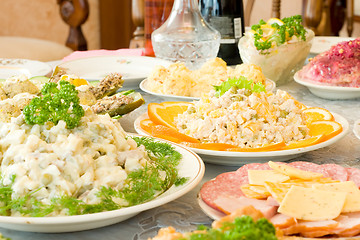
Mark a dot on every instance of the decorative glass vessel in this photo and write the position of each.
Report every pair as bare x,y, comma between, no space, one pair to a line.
186,36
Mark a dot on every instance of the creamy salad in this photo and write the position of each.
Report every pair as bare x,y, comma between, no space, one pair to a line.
243,119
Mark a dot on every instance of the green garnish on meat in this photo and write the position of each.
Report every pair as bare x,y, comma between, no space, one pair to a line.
140,186
239,83
292,27
244,228
55,104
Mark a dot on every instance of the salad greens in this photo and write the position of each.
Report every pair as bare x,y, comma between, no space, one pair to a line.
239,83
54,105
292,26
242,228
141,185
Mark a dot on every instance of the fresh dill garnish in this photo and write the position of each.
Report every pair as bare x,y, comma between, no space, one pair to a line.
243,227
292,26
140,186
239,83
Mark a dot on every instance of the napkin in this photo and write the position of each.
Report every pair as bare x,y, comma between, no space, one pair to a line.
103,52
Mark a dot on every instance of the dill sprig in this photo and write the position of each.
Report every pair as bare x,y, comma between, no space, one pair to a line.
292,27
140,186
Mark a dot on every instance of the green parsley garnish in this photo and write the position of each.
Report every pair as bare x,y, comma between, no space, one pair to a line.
140,186
55,104
292,27
243,228
239,83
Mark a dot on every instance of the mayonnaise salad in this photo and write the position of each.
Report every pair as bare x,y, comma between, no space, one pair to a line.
245,120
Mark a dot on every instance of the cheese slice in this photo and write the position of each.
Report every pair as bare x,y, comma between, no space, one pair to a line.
352,202
294,172
258,177
312,204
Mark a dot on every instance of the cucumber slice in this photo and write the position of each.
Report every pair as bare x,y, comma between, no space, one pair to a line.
39,80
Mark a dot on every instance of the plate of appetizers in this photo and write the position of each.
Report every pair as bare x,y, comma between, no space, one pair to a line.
333,74
133,68
295,197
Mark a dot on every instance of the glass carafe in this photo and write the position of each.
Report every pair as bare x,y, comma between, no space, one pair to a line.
186,36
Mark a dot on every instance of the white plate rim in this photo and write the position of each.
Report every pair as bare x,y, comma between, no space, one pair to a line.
326,42
270,154
325,87
150,61
271,84
177,191
356,128
33,67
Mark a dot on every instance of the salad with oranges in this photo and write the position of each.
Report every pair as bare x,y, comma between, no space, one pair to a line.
240,115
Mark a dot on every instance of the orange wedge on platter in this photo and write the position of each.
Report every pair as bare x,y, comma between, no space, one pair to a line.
304,142
325,127
265,148
313,114
164,113
209,146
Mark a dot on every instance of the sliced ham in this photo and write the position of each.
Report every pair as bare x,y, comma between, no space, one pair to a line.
312,228
282,221
272,202
336,172
231,204
348,226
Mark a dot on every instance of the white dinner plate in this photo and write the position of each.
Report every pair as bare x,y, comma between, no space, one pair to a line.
270,86
12,67
240,158
133,68
356,128
321,44
191,167
329,92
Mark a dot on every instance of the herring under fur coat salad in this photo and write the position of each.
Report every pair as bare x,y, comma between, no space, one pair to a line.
58,158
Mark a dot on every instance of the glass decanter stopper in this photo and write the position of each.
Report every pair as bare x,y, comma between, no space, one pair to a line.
186,36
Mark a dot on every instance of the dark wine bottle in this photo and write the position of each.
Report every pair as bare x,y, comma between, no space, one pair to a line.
226,16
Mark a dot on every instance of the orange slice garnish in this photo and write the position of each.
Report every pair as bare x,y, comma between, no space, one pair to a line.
147,125
325,127
316,114
265,148
304,142
171,134
165,113
209,146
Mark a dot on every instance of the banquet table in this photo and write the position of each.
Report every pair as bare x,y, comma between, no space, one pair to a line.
184,213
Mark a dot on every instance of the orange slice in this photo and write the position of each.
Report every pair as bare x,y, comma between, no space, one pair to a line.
164,113
304,142
265,148
171,134
316,114
325,127
147,125
209,146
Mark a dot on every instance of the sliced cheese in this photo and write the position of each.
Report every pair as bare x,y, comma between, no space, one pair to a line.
312,204
255,191
258,177
293,172
352,202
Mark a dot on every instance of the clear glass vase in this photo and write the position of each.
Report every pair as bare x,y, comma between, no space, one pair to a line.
186,36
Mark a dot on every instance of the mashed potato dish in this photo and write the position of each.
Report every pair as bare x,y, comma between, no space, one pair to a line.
178,80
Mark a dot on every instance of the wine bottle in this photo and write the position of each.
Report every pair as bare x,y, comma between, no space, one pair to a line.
226,16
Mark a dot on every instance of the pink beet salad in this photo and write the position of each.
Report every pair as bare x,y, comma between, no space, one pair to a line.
339,66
